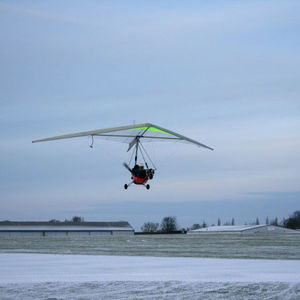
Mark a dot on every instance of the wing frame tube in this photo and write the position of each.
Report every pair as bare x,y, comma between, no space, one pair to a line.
183,137
91,132
101,132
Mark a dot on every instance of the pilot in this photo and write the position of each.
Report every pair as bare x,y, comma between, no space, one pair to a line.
142,172
135,170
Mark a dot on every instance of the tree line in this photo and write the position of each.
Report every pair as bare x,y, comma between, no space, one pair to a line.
169,224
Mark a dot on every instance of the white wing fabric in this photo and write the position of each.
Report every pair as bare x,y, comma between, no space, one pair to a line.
146,132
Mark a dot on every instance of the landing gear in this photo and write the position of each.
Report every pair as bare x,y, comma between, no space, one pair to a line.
127,185
147,186
150,173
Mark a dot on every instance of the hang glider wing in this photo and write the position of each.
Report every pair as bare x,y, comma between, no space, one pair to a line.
146,132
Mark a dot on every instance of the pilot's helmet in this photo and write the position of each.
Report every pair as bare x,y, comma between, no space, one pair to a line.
141,166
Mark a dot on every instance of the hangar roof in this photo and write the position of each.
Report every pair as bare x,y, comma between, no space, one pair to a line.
230,228
63,226
238,228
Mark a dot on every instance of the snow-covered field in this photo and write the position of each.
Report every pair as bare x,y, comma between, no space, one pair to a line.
217,266
32,276
69,268
115,290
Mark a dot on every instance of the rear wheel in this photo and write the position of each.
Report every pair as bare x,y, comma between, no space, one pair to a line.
147,186
125,186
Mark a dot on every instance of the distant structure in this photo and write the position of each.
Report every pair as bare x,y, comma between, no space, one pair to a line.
56,229
244,229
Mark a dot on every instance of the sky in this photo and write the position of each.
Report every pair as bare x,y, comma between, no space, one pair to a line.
225,73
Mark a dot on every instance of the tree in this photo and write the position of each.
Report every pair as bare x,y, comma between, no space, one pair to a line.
257,221
293,221
195,226
274,222
219,222
150,227
77,219
232,222
204,225
267,220
169,224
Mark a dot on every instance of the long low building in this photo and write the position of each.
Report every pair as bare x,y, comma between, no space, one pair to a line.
41,229
244,229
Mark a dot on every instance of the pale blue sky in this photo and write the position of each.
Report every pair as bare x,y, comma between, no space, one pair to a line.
225,73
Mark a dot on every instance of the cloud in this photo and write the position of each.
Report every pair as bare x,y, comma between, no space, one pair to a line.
223,73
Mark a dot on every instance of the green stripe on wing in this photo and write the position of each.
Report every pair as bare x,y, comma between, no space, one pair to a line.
153,129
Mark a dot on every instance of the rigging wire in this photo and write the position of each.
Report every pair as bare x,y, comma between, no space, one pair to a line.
131,157
148,156
142,149
144,159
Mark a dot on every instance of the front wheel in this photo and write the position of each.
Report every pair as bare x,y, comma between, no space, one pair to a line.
147,186
125,186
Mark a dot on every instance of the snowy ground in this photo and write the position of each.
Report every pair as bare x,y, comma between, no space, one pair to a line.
42,276
114,290
209,266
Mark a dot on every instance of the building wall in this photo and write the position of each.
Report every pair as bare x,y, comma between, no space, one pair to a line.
99,233
20,234
122,232
14,234
55,233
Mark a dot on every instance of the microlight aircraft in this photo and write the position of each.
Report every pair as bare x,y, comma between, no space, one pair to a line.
133,135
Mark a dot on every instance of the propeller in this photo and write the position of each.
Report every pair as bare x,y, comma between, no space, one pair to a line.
127,167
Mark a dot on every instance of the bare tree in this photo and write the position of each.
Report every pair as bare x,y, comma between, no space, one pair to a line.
169,224
257,221
232,222
195,226
274,222
77,219
267,220
219,222
204,225
293,221
150,227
